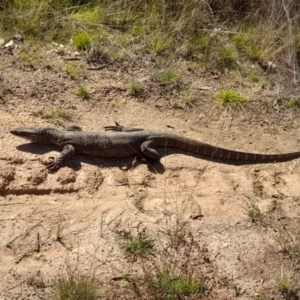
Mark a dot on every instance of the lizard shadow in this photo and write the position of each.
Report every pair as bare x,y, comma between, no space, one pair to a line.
75,162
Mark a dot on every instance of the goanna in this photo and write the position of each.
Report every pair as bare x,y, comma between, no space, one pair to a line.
127,141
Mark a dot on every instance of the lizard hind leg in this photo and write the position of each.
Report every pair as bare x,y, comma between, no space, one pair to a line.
119,127
149,151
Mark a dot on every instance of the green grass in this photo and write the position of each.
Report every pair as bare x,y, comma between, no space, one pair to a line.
140,246
172,286
82,41
255,52
36,282
136,88
163,28
231,98
256,216
189,99
83,93
30,59
168,77
71,71
163,284
55,114
288,288
75,286
241,40
91,15
262,82
290,104
228,55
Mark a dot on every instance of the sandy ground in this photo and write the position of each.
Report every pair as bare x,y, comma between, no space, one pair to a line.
75,215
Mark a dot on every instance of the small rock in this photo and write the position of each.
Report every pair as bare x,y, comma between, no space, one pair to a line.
9,44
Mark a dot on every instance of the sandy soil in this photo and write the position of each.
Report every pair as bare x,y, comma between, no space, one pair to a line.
75,215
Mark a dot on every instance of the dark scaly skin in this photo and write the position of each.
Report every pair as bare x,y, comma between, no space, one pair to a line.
128,141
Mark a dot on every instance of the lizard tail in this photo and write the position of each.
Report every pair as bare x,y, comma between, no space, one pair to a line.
211,151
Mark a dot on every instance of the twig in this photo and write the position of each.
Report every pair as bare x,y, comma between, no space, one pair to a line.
38,242
97,68
71,58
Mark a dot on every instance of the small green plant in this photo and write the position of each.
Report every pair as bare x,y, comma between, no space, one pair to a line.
255,52
201,43
83,93
55,114
75,286
172,286
89,15
71,71
288,288
189,99
168,77
228,97
138,30
228,54
30,59
290,104
139,246
255,215
36,281
82,41
136,88
258,79
241,40
159,42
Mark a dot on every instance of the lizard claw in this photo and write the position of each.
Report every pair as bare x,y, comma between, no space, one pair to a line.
118,127
53,164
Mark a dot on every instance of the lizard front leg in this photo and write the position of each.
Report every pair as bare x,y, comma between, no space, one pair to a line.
67,152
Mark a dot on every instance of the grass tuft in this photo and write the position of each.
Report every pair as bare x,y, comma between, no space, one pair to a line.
92,16
75,286
71,71
288,288
290,104
228,55
140,246
83,93
82,41
256,216
228,97
189,99
136,88
168,77
171,286
55,114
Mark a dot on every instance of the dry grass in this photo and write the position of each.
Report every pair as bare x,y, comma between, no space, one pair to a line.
191,29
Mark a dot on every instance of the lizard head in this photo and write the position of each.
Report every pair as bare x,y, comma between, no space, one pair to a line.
34,135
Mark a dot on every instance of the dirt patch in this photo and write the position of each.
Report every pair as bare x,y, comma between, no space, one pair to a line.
76,214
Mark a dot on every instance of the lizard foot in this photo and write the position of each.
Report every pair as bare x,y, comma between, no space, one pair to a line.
53,164
119,127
